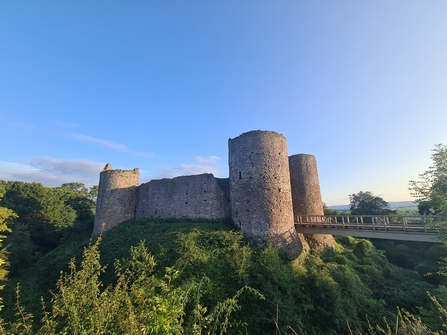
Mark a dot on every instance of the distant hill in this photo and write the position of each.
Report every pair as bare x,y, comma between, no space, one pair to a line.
395,204
398,204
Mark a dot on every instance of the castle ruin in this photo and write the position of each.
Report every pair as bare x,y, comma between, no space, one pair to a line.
265,191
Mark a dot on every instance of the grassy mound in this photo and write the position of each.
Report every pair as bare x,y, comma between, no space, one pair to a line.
314,294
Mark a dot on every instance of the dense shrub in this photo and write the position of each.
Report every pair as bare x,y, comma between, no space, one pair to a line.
182,267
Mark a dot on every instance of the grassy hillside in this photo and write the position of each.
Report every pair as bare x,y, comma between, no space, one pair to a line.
314,294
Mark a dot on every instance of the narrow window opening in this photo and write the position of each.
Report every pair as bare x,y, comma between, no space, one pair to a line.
240,175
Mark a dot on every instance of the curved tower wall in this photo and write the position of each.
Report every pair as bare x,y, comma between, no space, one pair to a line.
306,192
117,198
260,189
306,195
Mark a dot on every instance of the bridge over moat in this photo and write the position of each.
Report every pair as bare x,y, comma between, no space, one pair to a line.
407,228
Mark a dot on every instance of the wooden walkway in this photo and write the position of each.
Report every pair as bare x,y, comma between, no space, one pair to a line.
408,228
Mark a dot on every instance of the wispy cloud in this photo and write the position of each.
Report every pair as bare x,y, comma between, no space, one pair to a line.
51,171
165,171
64,124
208,159
185,170
109,144
98,141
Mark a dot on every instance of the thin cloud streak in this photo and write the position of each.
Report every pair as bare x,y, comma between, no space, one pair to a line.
184,170
109,144
51,171
98,141
165,171
208,159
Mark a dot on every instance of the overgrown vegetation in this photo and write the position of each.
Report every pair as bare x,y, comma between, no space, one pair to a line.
430,190
213,272
172,277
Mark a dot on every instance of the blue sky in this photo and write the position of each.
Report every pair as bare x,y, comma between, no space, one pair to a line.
162,85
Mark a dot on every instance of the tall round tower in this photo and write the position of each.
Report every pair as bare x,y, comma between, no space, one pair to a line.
306,195
117,194
261,198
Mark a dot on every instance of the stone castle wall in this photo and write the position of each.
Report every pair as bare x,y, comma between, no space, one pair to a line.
193,197
259,182
260,190
117,198
264,192
306,196
305,185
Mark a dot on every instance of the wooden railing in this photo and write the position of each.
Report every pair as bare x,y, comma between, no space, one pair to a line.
422,223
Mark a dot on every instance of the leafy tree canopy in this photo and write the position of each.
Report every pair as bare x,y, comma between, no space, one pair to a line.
37,205
42,213
366,203
330,211
430,190
80,198
5,215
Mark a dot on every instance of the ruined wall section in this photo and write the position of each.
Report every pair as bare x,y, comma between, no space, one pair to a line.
260,190
192,197
306,196
117,194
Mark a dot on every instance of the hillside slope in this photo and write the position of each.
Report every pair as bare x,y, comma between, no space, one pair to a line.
314,294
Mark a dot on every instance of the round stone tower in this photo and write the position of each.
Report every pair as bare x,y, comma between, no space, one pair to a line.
260,190
306,196
117,194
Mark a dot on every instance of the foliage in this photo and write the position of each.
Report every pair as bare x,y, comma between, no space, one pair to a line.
5,215
206,264
366,203
430,190
138,303
79,198
423,257
41,210
37,205
46,216
330,211
406,323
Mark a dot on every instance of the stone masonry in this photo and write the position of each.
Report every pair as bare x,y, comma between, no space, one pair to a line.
260,190
265,190
306,196
117,198
191,197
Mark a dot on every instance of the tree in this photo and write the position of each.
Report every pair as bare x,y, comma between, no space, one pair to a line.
5,215
330,211
78,197
430,190
38,205
93,193
366,203
41,212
